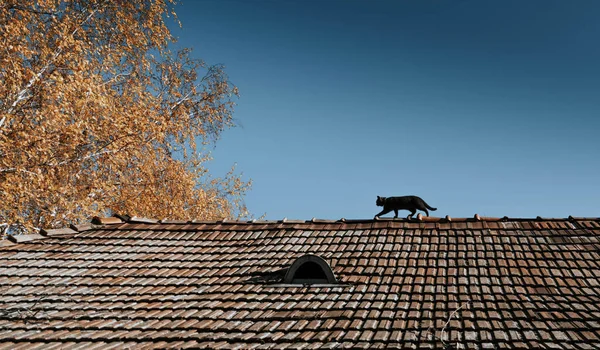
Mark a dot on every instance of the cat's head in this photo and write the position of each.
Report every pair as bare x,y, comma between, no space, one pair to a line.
380,201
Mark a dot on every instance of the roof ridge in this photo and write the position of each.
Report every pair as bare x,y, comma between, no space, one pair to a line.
314,220
101,222
49,233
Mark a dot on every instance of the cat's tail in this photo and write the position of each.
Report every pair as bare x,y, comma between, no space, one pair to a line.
429,207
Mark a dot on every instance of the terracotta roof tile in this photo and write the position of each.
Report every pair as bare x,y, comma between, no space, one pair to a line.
479,282
25,238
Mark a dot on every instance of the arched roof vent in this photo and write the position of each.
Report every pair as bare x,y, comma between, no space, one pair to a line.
310,269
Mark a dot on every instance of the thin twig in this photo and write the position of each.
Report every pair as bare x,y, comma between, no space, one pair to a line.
448,322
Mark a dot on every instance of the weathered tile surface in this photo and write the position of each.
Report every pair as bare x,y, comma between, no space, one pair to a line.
473,283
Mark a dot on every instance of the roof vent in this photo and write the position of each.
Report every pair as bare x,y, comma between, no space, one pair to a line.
310,269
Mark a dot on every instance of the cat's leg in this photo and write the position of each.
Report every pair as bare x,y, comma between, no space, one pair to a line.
426,212
396,213
412,212
383,212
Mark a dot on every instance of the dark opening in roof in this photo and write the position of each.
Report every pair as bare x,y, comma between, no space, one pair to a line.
310,269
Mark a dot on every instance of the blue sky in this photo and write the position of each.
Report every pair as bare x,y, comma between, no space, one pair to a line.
488,107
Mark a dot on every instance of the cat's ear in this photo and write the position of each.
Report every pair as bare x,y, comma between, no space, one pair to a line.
378,197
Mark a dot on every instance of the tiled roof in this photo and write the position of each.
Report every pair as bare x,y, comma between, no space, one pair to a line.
429,283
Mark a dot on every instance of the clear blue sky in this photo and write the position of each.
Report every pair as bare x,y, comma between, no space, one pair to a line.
489,107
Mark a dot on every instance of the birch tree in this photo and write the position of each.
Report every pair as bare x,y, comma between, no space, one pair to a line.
98,115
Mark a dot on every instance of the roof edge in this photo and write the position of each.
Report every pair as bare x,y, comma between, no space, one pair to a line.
314,220
101,222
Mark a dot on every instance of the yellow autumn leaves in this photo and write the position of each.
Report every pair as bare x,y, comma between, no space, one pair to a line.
98,116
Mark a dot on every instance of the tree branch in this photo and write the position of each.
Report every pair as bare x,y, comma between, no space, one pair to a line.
27,9
14,170
106,151
24,93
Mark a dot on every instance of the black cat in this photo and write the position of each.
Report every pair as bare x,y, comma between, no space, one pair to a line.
411,203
